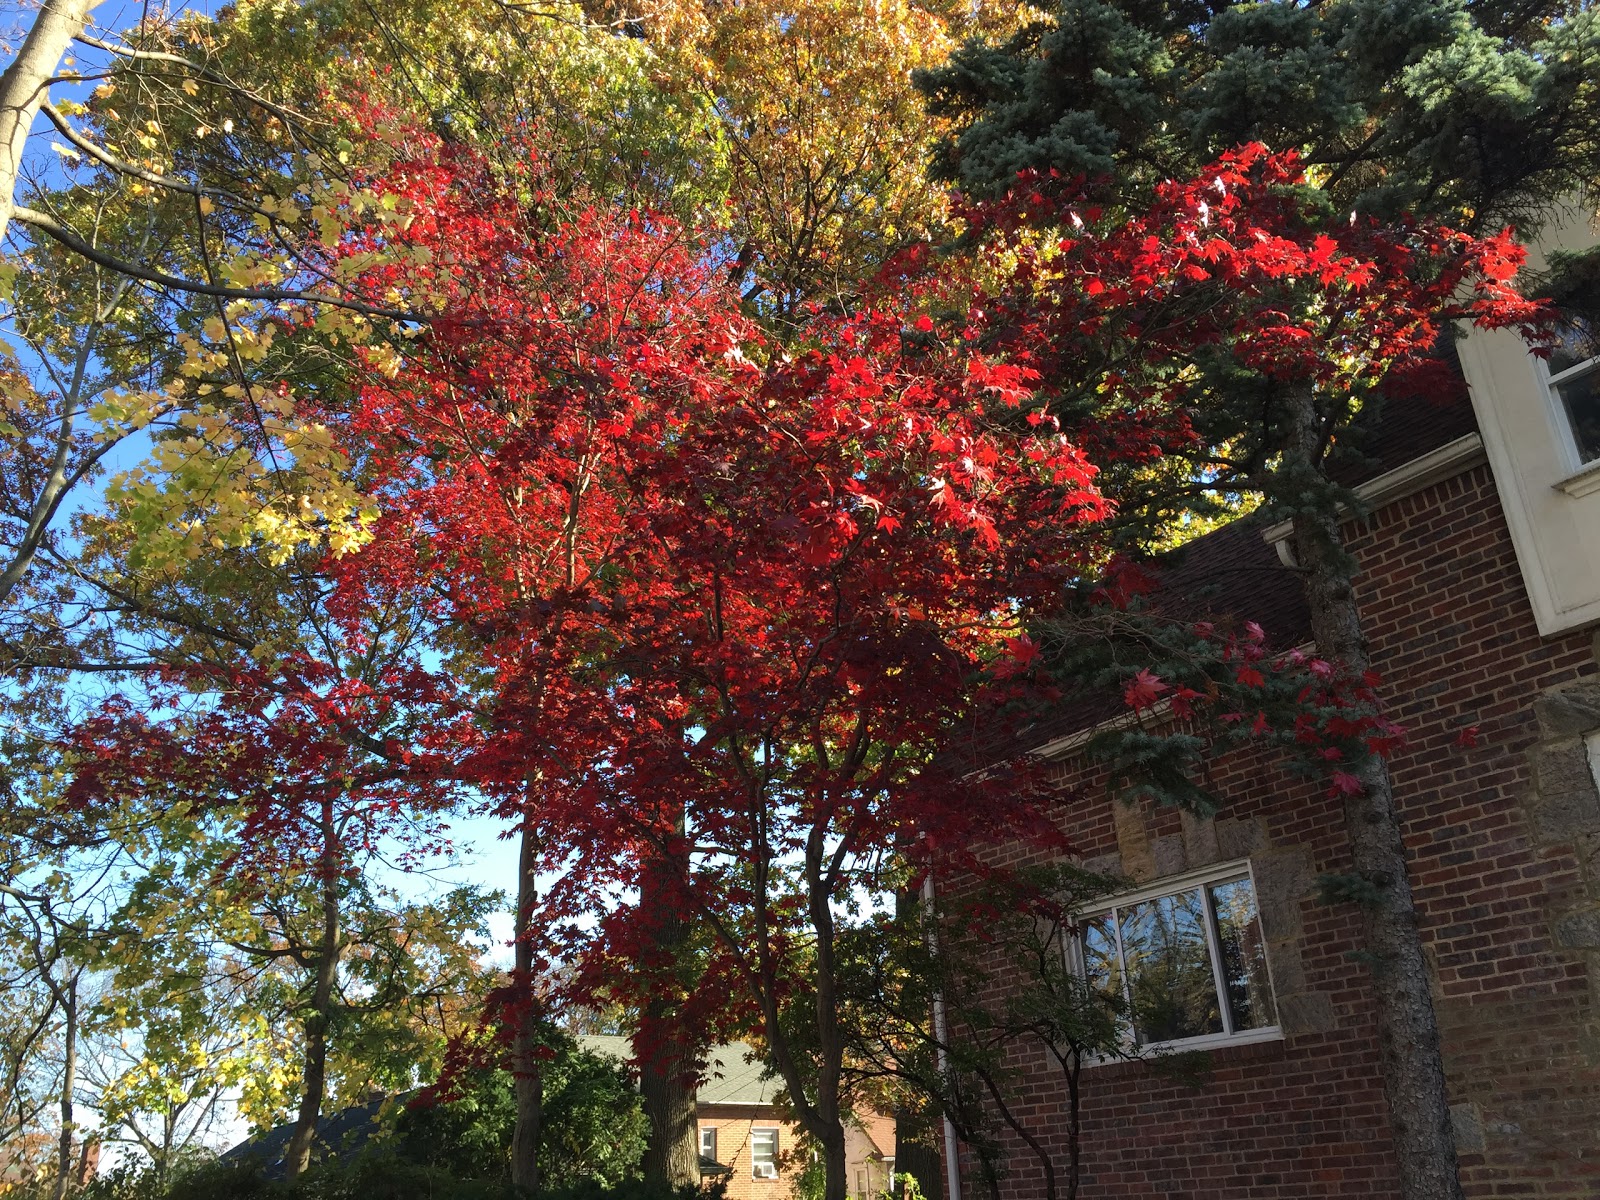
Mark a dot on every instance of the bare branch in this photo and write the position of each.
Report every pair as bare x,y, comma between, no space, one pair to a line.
66,237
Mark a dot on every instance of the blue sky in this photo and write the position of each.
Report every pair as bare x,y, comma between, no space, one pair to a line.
486,859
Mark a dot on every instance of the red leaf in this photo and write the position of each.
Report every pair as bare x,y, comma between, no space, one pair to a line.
1143,690
1346,784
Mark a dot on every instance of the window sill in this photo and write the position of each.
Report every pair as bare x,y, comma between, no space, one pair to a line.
1212,1041
1585,481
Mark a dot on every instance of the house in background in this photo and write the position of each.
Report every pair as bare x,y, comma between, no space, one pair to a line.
1478,576
747,1138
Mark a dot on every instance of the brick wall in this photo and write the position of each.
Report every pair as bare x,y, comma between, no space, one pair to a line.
733,1124
1505,845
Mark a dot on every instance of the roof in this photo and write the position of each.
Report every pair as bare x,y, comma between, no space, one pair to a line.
1233,574
734,1075
1401,429
344,1134
734,1072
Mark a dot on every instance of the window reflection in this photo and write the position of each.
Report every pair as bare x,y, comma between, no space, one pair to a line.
1186,965
1575,372
1171,985
1102,966
1244,955
1581,396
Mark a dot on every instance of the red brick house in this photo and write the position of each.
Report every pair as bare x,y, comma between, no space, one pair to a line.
747,1130
749,1142
1479,582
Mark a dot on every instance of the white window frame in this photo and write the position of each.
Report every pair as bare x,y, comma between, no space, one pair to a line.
708,1134
1567,433
1203,878
755,1167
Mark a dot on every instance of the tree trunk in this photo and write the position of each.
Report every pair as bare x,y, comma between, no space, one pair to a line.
666,1074
916,1151
25,82
830,1039
835,1177
69,1084
1072,1069
526,1068
315,1060
821,1117
666,1049
1408,1031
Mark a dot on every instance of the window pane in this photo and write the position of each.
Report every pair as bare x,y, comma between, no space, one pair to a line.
1244,955
764,1151
1101,969
1578,344
708,1141
1168,961
1581,396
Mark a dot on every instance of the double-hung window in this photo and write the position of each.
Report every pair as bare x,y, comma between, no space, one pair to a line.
764,1153
1183,962
1574,372
708,1142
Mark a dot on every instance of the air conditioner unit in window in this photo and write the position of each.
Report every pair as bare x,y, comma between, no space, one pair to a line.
766,1171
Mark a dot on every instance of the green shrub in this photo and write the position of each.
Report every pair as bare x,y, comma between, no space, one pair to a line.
594,1126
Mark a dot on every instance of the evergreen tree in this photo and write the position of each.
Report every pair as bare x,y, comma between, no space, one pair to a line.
1448,108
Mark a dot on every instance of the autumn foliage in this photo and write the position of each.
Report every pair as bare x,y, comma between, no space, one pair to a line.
726,614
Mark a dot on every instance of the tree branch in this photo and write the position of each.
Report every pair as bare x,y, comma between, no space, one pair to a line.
66,237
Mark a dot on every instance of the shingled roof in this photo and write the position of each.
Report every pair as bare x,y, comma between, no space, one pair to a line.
1233,574
734,1075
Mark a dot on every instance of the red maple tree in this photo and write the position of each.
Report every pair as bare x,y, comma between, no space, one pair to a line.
729,601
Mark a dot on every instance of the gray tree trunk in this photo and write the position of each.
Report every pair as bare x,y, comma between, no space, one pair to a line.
1408,1030
69,1085
829,1130
666,1074
25,82
668,1051
527,1071
314,1074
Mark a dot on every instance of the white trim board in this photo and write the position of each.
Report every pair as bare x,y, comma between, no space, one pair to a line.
1445,462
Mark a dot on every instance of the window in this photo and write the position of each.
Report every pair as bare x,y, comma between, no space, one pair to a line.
764,1153
708,1142
1185,961
1574,370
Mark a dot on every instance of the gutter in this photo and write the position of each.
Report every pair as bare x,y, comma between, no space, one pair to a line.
1445,462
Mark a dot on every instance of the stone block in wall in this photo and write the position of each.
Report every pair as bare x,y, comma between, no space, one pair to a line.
1564,802
1169,855
1200,839
1305,1012
1572,711
1103,864
1133,840
1467,1122
1580,929
1287,968
1240,838
1283,880
1587,846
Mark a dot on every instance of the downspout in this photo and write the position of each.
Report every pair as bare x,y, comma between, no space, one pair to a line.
941,1030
